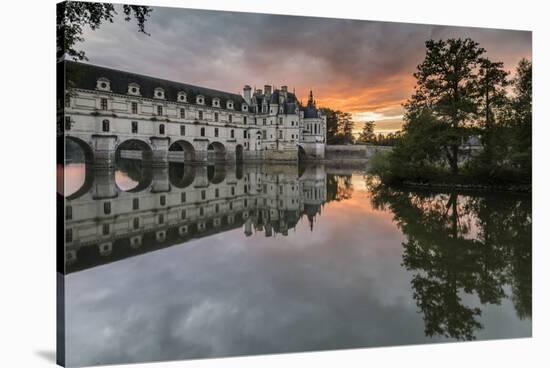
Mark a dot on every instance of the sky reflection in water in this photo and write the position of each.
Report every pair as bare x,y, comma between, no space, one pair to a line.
347,279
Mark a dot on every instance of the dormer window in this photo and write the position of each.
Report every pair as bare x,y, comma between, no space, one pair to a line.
159,93
230,104
182,96
244,107
103,84
133,89
216,102
200,99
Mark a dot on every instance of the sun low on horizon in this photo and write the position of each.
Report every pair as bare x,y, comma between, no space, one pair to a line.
361,67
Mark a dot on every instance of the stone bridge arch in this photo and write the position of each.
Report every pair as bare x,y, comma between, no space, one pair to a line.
134,148
216,152
182,146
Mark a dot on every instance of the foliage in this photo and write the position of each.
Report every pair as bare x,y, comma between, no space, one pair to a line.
72,17
367,134
462,97
339,126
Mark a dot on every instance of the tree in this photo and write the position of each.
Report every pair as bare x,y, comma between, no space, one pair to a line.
72,17
345,123
446,85
367,134
492,94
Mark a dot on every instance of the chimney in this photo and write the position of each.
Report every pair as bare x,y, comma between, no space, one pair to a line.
247,93
267,89
284,89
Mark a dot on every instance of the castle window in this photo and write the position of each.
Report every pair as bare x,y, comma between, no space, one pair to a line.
105,125
200,99
68,213
162,200
217,208
134,126
216,192
244,120
203,194
183,214
281,121
135,204
133,89
182,97
67,100
216,102
69,235
201,211
216,117
103,84
229,104
104,104
182,129
159,93
203,132
244,134
161,129
107,208
264,134
134,108
280,134
215,132
161,219
105,229
232,191
232,133
159,110
67,123
264,121
200,115
230,118
183,197
136,223
182,113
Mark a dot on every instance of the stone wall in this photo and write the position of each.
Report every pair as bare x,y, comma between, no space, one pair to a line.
352,152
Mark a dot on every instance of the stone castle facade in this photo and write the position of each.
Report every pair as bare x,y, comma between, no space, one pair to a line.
109,112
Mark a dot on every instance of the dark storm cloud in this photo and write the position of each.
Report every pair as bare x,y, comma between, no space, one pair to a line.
358,66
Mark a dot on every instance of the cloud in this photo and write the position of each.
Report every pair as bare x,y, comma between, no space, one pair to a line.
352,65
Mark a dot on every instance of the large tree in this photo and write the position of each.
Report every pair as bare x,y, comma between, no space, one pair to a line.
72,17
446,83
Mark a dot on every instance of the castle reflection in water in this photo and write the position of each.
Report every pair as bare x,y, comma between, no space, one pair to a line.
118,213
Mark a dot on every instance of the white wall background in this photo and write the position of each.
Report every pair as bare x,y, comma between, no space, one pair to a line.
27,310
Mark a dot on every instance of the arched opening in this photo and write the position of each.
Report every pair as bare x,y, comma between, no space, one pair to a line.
75,169
181,151
239,153
181,175
216,152
302,156
216,173
133,165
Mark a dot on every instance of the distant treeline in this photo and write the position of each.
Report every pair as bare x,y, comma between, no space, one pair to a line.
460,93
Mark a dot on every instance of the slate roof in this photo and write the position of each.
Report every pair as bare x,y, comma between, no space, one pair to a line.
85,76
290,103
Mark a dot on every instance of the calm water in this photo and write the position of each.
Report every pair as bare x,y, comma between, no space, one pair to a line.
232,260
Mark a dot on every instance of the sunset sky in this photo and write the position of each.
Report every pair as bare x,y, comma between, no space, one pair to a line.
361,67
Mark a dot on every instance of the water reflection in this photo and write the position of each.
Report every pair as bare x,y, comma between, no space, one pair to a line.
223,260
458,245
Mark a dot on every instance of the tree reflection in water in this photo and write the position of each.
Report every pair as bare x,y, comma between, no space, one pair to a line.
458,245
